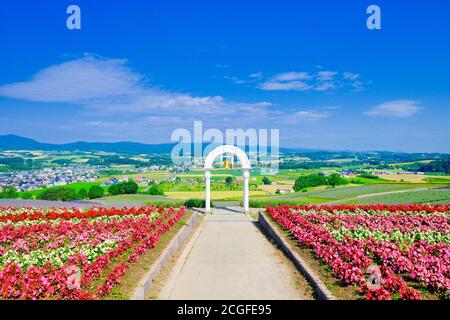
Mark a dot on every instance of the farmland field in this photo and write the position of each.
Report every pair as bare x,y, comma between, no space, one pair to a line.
75,254
132,199
156,175
339,193
215,195
428,196
413,178
404,250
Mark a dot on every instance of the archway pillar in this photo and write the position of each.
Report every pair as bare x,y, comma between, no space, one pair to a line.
246,176
208,191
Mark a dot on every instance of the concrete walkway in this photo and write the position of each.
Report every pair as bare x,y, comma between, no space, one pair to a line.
230,258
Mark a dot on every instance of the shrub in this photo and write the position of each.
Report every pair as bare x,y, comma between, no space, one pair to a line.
27,195
336,180
155,190
195,203
9,193
95,192
129,187
82,194
59,194
266,181
312,180
229,180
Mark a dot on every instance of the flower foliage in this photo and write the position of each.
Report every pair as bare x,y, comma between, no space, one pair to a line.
409,244
61,253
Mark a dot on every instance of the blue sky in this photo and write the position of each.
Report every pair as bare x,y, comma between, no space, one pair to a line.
140,69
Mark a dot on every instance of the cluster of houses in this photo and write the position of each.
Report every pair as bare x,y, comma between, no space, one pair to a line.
36,179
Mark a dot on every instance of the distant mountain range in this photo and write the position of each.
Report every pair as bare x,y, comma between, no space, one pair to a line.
14,142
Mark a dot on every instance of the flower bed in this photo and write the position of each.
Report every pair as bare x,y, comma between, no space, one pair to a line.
74,253
387,252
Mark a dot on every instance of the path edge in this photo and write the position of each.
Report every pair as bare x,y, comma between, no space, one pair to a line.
182,235
319,287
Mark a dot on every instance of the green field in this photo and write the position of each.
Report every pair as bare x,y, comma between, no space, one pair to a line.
351,192
215,195
428,196
77,186
331,194
134,199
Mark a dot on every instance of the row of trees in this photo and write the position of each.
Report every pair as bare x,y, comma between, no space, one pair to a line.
69,194
94,192
318,179
437,166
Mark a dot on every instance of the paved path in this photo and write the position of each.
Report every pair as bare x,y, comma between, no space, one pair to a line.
230,259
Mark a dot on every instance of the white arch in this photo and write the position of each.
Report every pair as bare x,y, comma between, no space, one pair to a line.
239,153
245,164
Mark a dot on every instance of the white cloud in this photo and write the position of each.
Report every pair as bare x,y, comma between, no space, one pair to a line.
77,81
256,75
304,116
236,80
311,115
350,76
303,81
121,102
291,76
326,75
325,86
109,86
395,108
285,86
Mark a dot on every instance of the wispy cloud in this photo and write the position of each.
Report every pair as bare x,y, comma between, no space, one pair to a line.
117,100
296,116
350,76
109,85
76,81
285,86
291,76
395,109
322,81
326,75
256,75
236,80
